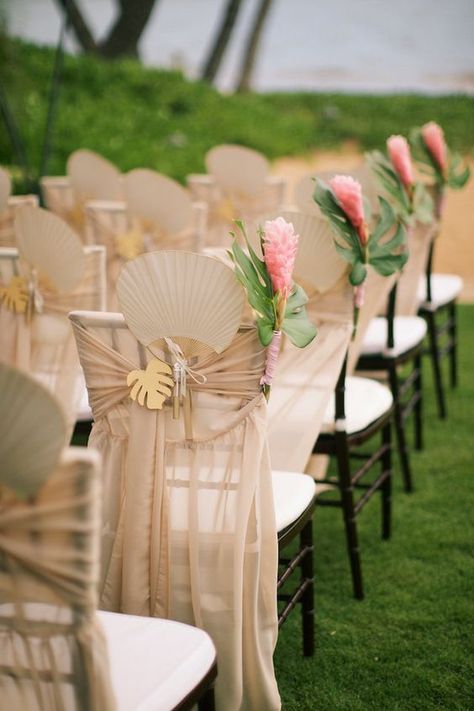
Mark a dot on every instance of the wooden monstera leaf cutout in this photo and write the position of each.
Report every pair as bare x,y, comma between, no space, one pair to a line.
15,295
152,386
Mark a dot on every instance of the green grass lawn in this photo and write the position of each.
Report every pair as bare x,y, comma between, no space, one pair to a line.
409,646
138,116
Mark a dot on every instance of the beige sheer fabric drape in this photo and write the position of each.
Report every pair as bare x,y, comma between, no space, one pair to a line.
419,242
377,290
226,205
7,217
306,378
45,347
52,651
59,197
124,236
189,530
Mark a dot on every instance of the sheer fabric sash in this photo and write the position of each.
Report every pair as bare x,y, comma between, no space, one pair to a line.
189,521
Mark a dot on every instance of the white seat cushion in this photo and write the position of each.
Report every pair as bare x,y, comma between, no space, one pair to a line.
365,401
154,663
292,494
409,331
84,413
444,288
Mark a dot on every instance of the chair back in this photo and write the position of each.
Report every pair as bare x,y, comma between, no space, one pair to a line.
154,198
52,652
179,418
237,168
93,177
8,206
49,275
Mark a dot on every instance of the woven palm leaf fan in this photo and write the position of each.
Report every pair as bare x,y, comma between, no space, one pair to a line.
318,265
5,189
237,168
156,198
193,299
32,432
47,244
363,175
94,177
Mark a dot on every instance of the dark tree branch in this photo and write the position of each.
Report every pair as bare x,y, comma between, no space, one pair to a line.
214,58
251,47
77,22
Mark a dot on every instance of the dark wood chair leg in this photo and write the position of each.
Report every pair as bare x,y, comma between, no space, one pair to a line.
307,601
418,410
453,354
386,489
400,429
349,515
207,702
436,364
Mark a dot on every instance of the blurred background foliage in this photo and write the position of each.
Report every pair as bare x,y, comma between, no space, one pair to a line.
138,116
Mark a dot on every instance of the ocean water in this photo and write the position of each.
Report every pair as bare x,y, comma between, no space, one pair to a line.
342,45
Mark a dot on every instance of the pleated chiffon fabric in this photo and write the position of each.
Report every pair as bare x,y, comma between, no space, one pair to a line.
44,346
306,378
53,653
419,239
7,217
189,528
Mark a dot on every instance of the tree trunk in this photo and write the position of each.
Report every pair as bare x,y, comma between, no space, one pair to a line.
251,47
128,28
215,56
122,39
81,30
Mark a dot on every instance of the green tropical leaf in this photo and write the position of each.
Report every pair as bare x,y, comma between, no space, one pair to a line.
389,264
265,329
299,328
296,299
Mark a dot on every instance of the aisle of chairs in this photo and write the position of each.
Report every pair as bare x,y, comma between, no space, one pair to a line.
154,568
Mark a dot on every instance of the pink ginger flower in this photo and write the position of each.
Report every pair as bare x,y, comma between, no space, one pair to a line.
399,152
433,137
348,193
280,244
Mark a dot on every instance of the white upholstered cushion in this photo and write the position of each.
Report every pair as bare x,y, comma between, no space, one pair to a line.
84,413
444,288
365,401
292,494
409,331
154,663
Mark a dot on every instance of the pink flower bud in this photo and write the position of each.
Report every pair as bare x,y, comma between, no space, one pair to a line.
433,137
280,244
348,193
399,152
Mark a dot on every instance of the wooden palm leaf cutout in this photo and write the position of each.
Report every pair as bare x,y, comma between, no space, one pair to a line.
129,244
15,295
152,385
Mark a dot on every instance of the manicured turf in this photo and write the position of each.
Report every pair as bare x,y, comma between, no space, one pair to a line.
409,646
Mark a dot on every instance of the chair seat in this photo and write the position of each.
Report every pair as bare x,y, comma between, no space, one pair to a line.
366,401
444,289
292,494
84,412
409,331
154,663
